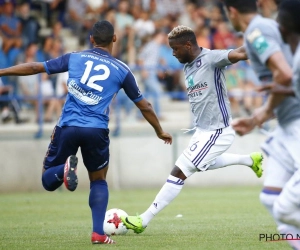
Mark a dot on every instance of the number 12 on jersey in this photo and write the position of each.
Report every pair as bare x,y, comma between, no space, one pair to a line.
90,81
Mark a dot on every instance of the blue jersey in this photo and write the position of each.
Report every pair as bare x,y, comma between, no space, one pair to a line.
95,77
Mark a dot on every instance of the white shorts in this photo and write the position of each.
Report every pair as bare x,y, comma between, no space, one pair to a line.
288,201
275,174
204,147
283,145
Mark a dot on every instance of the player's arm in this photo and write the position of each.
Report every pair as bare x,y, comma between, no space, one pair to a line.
282,74
147,111
281,71
23,69
132,91
237,54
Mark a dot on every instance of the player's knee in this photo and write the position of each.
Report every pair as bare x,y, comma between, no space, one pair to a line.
176,172
48,188
46,185
185,166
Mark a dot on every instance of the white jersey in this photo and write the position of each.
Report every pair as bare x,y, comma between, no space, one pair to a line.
296,72
206,89
262,40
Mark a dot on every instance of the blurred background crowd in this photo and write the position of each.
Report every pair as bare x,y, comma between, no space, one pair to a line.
39,30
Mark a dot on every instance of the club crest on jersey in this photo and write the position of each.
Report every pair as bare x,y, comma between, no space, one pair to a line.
190,81
198,63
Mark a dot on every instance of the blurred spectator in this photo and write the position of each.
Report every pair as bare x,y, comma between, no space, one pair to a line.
170,7
113,4
56,30
57,48
123,18
30,25
97,7
43,54
268,8
76,18
50,10
235,87
52,104
223,38
154,15
189,16
127,47
149,60
57,10
33,85
10,27
170,72
61,88
9,105
123,22
121,102
203,38
144,26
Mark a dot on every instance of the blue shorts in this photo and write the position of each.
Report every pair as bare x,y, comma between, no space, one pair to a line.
65,141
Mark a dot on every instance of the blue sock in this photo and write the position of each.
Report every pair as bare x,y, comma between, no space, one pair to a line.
98,203
53,177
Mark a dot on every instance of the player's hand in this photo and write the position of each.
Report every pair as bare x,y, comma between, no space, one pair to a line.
243,126
261,115
165,137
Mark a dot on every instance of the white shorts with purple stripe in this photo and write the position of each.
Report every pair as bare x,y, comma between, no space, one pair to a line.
204,147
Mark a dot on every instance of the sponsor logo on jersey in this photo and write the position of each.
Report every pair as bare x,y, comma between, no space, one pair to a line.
260,44
190,81
258,41
87,97
196,90
253,35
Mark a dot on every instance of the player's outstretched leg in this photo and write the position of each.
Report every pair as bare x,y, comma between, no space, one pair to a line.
257,159
70,175
101,239
134,223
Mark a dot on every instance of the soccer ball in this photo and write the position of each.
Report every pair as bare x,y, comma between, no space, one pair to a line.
112,223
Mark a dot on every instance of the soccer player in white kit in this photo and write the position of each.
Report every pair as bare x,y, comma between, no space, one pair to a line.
205,84
286,207
271,59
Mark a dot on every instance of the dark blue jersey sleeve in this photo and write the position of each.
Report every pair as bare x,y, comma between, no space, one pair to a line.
131,88
57,65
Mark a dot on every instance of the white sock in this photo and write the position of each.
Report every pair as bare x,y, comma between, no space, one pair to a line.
225,160
167,193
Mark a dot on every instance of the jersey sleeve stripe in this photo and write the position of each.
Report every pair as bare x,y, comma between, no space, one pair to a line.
217,75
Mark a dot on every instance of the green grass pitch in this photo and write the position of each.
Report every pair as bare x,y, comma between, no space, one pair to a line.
220,218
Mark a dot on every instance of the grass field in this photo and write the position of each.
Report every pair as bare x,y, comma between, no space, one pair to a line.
213,218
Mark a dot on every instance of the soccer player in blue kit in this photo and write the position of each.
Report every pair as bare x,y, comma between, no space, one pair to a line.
95,77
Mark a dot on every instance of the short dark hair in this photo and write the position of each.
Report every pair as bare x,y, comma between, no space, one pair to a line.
243,6
289,15
103,32
183,34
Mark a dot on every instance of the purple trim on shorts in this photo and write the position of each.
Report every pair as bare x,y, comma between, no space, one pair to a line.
203,152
